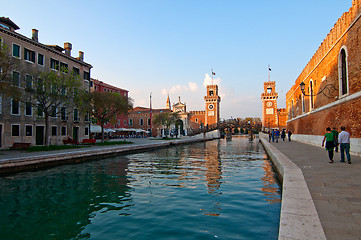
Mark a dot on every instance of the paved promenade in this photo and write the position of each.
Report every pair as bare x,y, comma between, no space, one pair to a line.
335,188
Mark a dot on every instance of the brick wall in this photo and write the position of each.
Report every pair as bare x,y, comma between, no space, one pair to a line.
311,116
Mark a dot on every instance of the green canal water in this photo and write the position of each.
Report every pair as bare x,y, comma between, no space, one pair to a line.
214,190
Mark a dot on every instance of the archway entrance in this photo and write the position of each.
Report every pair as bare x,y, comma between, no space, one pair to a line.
179,126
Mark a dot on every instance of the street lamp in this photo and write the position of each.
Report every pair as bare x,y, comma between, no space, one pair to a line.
327,90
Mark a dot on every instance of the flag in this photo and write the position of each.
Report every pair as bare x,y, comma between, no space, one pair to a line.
213,73
269,69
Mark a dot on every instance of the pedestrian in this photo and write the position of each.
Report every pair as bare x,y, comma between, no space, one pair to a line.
269,136
277,135
330,143
273,135
335,133
283,134
344,141
289,135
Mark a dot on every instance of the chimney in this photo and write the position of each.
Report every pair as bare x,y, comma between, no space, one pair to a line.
67,47
35,35
81,56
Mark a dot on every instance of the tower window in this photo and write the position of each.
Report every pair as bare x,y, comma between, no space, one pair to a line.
210,92
269,90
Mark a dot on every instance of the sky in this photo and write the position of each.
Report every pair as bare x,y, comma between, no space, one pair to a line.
162,47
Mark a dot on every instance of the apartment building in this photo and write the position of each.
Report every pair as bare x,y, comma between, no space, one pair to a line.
100,86
21,122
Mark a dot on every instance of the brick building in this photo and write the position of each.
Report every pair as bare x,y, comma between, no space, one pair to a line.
100,86
332,85
139,118
19,121
272,117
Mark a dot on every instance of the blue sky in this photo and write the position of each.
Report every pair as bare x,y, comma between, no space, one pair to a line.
169,47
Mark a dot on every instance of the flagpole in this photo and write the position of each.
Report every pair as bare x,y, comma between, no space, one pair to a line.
212,76
269,73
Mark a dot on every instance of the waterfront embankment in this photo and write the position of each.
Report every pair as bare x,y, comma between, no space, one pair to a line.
319,200
17,161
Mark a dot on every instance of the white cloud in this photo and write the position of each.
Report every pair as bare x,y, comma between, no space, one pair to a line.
192,86
181,88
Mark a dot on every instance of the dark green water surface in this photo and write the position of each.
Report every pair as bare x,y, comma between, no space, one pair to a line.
214,190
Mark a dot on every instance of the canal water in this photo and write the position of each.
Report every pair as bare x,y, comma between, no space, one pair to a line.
221,189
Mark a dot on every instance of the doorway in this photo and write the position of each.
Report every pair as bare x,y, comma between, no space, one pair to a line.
76,133
39,135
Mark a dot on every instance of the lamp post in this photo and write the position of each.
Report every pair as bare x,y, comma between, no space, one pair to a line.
327,90
150,114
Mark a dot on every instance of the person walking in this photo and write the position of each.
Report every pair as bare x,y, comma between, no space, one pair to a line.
269,136
283,134
289,135
330,143
335,133
344,141
273,135
277,135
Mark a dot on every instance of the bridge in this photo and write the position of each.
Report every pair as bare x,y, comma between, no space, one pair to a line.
227,127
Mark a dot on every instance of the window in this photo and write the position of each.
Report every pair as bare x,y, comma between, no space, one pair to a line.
28,82
343,81
141,122
64,67
15,130
86,75
29,55
211,93
196,120
40,85
15,108
63,114
28,130
76,71
311,95
40,110
53,112
86,131
91,83
28,109
63,131
86,118
16,79
54,130
130,122
54,64
303,103
76,115
148,121
16,51
41,59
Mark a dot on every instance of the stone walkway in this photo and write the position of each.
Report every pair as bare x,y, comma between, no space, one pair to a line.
335,188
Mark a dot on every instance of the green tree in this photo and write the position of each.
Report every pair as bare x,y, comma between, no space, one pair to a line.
166,119
104,106
7,64
52,93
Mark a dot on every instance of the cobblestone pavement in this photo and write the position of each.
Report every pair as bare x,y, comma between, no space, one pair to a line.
335,188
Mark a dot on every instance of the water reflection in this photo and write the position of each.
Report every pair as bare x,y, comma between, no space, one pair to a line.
191,186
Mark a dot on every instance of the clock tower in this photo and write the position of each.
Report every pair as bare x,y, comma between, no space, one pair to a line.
269,106
212,100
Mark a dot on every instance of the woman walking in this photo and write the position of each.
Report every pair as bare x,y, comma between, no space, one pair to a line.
330,143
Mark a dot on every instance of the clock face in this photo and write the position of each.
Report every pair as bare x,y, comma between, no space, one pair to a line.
210,106
269,104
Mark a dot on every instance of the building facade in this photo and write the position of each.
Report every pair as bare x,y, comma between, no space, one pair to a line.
21,122
327,93
272,117
100,86
139,118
